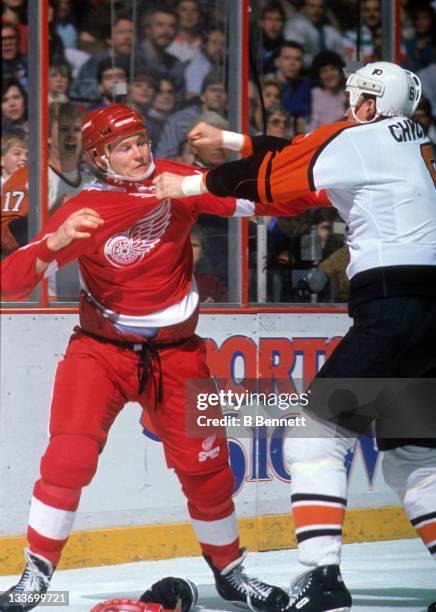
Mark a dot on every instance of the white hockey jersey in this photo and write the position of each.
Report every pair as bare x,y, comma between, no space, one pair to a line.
380,176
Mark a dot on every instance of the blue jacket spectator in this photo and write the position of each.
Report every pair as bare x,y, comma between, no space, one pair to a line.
272,23
296,89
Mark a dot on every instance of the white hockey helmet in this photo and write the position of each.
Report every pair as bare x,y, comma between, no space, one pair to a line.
397,91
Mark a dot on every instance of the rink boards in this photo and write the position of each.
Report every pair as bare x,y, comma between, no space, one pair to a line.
134,508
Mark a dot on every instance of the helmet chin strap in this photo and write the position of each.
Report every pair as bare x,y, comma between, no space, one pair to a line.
131,179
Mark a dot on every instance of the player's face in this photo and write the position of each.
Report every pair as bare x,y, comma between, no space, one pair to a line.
365,110
130,156
14,158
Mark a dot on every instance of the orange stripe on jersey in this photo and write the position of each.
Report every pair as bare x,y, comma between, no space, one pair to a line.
262,177
291,171
247,147
428,532
304,516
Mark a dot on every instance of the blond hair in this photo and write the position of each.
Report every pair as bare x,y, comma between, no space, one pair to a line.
13,138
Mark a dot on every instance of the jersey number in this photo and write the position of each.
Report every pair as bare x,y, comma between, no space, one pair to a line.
429,160
13,201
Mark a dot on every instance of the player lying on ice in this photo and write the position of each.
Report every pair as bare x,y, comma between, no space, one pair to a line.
136,342
379,174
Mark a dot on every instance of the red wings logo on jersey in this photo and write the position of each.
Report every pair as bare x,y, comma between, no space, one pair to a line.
130,247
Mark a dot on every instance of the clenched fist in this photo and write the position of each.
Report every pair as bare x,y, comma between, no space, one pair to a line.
168,185
205,135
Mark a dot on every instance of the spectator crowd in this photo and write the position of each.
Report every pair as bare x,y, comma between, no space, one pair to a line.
169,61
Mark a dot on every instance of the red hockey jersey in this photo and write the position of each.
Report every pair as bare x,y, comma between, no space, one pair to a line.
140,260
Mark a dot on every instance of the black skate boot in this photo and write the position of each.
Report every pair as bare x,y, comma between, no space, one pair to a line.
432,607
320,590
34,581
242,590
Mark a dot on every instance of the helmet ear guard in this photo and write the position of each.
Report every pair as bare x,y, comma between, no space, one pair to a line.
418,89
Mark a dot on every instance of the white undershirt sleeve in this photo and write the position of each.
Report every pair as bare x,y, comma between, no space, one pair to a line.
233,141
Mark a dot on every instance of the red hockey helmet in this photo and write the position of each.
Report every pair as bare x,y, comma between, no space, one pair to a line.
109,124
127,605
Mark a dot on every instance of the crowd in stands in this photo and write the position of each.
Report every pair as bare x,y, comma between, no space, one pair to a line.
169,60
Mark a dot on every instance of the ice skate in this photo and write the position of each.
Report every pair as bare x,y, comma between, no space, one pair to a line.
34,581
234,585
320,590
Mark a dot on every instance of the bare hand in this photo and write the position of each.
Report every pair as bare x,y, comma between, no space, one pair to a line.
205,135
71,228
168,185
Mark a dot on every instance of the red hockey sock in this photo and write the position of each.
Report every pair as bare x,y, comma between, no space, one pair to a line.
51,518
212,513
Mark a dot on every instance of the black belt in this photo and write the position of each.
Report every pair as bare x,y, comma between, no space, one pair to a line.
148,355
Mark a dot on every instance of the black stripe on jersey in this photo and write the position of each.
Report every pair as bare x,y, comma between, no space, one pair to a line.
432,549
264,143
316,533
267,178
297,497
227,179
424,517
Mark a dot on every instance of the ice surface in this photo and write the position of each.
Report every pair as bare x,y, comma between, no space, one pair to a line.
382,576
